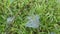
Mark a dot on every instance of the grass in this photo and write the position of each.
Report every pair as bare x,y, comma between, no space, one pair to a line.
48,11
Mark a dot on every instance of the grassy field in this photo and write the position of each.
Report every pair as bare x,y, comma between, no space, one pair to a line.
13,16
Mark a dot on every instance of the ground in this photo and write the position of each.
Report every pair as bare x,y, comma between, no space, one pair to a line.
13,16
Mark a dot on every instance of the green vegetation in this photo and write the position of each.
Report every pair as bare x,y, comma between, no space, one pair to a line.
48,11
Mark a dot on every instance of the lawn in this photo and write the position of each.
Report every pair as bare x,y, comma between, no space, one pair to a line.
29,16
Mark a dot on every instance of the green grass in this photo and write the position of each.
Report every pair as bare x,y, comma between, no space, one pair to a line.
48,11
